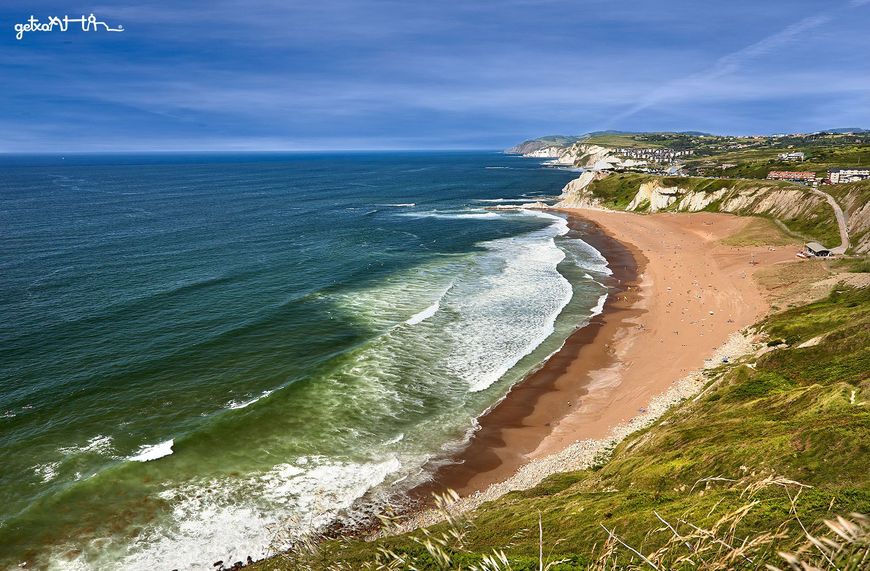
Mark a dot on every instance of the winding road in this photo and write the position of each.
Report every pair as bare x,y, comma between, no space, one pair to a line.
841,222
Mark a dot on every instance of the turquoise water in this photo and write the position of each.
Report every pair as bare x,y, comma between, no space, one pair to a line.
203,355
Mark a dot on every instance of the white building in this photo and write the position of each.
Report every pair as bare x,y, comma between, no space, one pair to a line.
840,176
795,156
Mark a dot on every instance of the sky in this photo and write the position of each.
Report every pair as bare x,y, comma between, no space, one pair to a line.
407,74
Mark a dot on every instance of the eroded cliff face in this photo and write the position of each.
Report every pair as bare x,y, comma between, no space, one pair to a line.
653,196
576,195
857,210
592,157
546,153
743,197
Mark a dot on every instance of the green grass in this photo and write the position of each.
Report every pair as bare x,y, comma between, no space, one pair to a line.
818,224
798,413
858,265
760,232
858,191
852,197
617,190
620,140
757,163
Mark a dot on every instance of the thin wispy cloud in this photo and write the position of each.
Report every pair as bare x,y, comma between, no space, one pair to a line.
725,65
730,64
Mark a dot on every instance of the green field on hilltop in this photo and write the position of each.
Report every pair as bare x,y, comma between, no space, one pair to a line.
757,163
620,140
776,441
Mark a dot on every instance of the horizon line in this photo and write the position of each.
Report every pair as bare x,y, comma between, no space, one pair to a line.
300,151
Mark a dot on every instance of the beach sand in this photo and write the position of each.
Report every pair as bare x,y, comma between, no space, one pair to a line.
679,295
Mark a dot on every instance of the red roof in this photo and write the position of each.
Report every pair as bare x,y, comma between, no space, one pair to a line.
792,174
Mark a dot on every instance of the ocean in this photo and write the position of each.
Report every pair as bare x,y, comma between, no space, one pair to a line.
204,356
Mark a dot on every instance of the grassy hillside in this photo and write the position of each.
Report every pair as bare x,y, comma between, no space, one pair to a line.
617,190
542,142
761,232
854,197
774,444
758,163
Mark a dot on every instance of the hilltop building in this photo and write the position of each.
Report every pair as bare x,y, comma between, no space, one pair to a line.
657,154
840,176
793,176
795,156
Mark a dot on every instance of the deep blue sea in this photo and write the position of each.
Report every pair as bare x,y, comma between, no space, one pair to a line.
203,355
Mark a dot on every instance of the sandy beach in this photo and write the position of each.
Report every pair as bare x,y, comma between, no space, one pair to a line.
679,294
694,293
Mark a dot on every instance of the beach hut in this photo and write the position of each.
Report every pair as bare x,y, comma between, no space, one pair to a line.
816,249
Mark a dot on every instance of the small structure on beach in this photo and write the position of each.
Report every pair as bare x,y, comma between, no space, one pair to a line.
817,250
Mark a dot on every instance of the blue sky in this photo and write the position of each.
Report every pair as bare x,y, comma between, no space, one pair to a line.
345,74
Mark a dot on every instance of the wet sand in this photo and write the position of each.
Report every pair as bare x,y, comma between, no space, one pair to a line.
677,294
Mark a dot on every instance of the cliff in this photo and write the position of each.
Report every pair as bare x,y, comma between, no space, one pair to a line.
575,194
534,145
854,199
578,154
795,206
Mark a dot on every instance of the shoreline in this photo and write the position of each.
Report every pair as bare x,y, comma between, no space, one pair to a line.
514,427
608,379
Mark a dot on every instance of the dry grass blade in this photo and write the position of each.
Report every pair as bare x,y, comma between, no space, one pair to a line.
630,548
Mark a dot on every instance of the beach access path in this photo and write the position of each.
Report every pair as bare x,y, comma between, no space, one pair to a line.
841,222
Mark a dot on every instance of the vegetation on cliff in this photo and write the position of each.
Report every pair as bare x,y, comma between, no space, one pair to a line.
804,214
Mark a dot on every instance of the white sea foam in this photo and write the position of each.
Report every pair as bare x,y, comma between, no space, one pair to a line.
146,452
424,315
395,439
509,313
46,472
99,444
599,307
429,311
400,205
447,215
516,200
585,256
229,520
500,306
237,405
